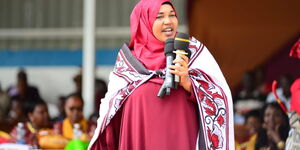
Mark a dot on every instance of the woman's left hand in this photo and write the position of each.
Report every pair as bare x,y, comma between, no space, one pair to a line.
182,71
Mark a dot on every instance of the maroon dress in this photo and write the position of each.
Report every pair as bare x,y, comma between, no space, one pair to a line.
150,122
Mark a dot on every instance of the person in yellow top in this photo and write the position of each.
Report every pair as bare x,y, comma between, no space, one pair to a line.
4,137
74,115
244,140
245,134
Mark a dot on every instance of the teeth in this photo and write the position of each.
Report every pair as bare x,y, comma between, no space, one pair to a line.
168,29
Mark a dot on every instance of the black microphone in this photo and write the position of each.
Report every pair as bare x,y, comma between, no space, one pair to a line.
181,45
169,78
169,48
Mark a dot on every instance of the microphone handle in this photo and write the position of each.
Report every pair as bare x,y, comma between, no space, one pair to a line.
169,80
176,77
164,90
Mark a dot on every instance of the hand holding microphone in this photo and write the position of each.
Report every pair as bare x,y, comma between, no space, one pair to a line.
181,46
178,73
182,71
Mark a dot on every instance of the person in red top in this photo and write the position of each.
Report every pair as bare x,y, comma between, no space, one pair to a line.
294,113
38,124
196,115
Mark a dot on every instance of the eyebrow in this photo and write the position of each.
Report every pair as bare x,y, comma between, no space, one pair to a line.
160,13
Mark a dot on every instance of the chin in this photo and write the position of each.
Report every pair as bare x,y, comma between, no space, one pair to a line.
164,39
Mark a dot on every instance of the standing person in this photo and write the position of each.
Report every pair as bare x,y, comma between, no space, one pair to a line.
197,115
23,89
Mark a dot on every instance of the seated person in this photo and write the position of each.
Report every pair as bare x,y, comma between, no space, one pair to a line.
253,121
74,115
275,128
248,98
245,134
100,91
248,90
38,123
15,114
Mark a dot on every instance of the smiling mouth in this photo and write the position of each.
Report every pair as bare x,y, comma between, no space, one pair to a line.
168,31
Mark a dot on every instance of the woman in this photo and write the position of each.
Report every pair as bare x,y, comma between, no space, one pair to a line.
74,115
275,128
38,124
197,115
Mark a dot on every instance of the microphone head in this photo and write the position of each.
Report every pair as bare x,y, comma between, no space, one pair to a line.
182,41
169,46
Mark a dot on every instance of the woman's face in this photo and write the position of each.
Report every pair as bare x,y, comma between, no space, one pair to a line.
253,124
40,117
73,109
273,117
165,24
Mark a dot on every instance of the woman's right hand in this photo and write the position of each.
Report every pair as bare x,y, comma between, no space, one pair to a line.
182,71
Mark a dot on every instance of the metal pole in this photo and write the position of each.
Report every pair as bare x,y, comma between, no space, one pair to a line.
88,56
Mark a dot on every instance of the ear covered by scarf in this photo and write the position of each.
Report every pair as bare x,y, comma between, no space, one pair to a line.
143,44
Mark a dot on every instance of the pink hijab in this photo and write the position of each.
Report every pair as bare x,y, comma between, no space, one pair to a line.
144,45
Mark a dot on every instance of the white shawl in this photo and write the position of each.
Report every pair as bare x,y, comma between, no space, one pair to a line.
209,85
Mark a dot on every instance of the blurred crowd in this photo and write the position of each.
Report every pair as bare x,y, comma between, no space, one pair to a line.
24,116
260,121
266,115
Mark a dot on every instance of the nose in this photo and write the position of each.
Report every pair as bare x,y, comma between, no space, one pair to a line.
272,119
76,111
167,20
